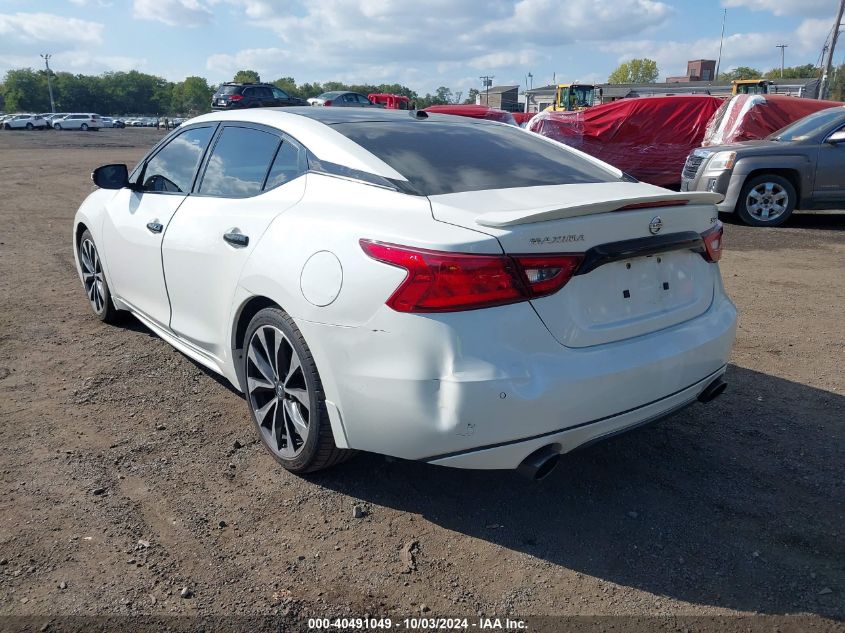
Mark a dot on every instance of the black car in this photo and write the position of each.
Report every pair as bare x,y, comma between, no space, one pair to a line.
236,96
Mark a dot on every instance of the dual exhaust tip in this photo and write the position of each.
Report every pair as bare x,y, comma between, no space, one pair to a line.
539,464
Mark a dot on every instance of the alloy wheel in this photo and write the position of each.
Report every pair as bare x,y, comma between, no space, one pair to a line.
767,201
92,275
278,392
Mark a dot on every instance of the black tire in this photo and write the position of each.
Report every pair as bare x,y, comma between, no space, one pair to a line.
29,126
84,127
318,450
764,195
57,126
102,306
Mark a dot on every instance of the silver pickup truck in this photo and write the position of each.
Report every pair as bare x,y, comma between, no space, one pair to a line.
801,166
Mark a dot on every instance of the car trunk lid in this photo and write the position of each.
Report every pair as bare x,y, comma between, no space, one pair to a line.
643,269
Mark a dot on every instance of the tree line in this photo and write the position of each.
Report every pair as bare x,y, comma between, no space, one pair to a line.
137,93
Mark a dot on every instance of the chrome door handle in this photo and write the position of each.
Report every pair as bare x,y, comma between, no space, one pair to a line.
236,239
155,227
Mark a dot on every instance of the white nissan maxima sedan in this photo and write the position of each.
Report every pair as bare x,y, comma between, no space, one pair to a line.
435,288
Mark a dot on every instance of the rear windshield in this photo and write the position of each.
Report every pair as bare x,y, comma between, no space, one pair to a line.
228,90
442,157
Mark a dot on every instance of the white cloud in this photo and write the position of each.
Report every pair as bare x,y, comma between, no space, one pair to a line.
188,13
554,22
33,28
786,7
269,62
740,49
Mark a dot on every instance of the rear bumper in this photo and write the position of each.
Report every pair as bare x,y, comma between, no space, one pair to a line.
477,390
509,455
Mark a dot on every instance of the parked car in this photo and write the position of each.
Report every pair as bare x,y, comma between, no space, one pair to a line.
390,101
236,96
110,122
342,99
801,166
25,122
52,118
84,122
356,307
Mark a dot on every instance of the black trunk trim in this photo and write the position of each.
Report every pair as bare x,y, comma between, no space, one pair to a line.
639,247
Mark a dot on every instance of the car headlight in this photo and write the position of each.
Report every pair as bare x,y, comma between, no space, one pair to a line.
721,160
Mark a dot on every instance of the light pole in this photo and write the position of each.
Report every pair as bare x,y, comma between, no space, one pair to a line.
46,57
487,81
781,47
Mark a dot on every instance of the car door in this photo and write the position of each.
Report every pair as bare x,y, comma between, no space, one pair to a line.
281,98
830,167
251,175
136,219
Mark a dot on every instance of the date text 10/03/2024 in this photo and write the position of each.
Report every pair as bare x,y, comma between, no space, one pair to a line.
417,624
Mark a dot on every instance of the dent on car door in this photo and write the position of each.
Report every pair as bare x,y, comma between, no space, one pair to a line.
251,175
830,171
137,218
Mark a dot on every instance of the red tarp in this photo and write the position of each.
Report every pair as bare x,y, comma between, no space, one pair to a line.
747,117
474,111
523,117
648,138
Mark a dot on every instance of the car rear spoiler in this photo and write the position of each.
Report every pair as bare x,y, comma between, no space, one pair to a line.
613,201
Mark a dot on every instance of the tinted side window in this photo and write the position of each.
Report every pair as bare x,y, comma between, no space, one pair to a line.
264,92
363,99
287,165
279,94
239,163
172,169
439,157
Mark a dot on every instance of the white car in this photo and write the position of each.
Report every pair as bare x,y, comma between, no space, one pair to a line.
25,122
82,122
429,287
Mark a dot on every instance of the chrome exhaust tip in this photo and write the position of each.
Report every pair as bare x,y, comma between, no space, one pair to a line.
540,463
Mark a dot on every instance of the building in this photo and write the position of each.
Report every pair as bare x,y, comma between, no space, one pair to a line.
538,99
697,70
502,97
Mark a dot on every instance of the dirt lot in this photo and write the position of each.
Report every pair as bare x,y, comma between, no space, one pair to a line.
128,472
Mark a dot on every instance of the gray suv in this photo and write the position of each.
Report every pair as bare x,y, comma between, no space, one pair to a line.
801,166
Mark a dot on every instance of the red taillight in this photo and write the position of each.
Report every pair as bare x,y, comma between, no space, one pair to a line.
235,97
328,102
447,282
649,205
713,243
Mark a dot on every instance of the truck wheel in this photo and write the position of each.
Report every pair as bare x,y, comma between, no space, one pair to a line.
766,200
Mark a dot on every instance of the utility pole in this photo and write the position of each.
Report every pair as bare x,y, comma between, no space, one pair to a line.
721,39
781,47
827,63
487,81
46,57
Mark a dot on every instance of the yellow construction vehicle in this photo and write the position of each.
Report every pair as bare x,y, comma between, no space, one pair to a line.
573,97
750,86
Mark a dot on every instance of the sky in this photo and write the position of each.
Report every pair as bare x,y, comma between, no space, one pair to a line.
421,44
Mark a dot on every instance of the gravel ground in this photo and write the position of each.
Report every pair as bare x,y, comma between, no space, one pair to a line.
130,473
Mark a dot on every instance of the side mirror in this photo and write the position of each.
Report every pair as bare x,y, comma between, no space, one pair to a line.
837,137
111,176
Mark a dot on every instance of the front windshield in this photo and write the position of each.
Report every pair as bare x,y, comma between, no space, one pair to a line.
583,96
809,126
